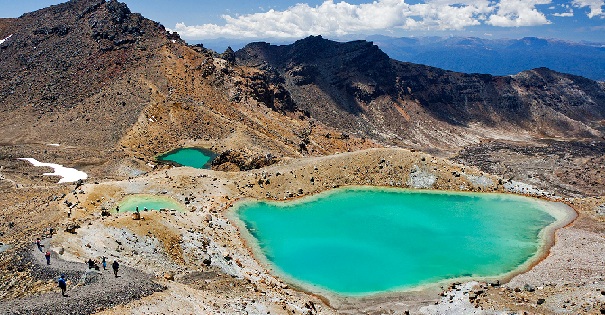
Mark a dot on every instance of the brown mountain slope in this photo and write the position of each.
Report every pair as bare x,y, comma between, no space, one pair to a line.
112,86
67,69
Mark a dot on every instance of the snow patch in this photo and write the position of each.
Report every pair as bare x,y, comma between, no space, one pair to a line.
53,144
67,174
3,40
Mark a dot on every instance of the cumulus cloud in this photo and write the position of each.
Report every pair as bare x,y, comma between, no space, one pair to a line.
341,18
596,6
518,13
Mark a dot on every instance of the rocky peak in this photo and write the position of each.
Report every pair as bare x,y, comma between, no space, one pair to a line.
357,68
229,55
314,50
69,49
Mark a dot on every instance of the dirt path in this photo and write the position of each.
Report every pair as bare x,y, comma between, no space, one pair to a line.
88,291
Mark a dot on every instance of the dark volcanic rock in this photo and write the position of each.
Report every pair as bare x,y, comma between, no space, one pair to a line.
356,87
232,160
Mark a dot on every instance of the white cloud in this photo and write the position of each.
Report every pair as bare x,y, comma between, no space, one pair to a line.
518,13
564,14
342,18
596,6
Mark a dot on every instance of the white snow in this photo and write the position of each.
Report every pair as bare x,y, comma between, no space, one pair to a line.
53,144
67,174
3,40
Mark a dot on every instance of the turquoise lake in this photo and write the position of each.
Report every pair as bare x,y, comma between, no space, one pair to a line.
151,202
358,241
193,157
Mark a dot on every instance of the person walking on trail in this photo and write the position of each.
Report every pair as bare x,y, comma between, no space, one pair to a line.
62,284
39,244
115,267
47,255
104,262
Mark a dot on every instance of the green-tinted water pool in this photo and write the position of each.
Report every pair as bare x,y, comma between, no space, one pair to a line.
151,202
357,241
193,157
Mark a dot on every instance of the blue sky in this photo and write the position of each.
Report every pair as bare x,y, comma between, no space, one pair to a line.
292,19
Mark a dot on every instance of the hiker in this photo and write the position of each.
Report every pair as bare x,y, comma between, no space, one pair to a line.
51,231
104,263
91,263
118,209
115,267
39,244
47,255
62,284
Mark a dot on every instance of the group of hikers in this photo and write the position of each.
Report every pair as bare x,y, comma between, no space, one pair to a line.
62,281
115,265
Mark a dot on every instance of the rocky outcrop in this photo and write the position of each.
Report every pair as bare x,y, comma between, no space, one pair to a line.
241,160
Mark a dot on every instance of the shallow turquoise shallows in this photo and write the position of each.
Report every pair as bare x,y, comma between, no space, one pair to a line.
193,157
358,241
151,202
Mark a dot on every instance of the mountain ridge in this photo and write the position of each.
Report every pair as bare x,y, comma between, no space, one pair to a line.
363,80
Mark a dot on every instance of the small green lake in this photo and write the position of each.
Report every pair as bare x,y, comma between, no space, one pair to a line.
151,202
359,241
193,157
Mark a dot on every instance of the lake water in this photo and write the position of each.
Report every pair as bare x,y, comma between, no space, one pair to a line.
358,241
193,157
151,202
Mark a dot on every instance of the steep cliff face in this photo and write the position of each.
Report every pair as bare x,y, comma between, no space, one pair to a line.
355,86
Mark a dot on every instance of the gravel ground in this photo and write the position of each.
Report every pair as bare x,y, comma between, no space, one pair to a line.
88,291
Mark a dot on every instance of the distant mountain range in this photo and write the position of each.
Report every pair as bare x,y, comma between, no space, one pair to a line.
498,56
